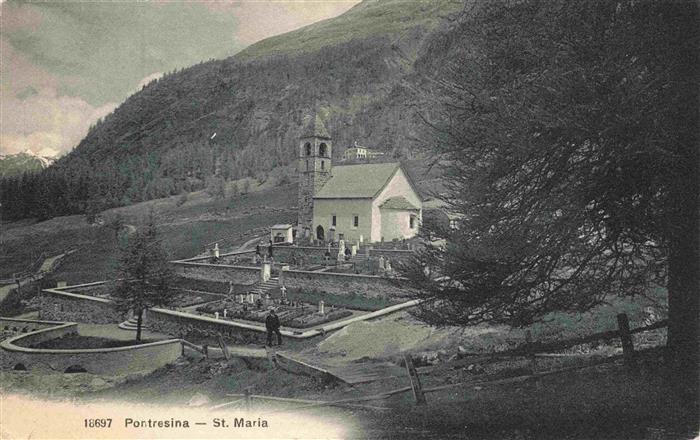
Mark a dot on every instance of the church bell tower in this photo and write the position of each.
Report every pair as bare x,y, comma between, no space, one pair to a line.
314,166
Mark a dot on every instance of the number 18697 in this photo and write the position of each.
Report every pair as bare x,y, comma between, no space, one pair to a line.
98,423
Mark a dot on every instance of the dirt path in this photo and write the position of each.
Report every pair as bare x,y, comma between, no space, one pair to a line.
46,267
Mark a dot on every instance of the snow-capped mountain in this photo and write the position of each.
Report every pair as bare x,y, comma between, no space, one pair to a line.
26,161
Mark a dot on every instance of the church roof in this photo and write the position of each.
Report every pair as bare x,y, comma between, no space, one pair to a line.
398,203
313,127
362,181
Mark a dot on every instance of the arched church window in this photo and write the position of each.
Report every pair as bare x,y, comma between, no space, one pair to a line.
323,150
323,165
307,164
307,147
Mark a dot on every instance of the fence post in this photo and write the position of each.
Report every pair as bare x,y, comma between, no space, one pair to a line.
271,357
247,399
627,345
415,381
224,347
531,356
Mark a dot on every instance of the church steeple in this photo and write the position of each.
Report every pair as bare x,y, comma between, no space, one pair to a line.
314,128
315,153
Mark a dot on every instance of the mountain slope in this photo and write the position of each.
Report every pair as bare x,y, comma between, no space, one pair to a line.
27,161
241,116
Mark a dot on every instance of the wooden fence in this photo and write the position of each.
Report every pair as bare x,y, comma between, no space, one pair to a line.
529,350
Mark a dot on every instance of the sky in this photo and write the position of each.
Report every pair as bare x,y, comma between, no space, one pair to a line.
65,64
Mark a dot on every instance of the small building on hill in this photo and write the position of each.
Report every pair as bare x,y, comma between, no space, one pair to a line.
281,234
365,202
360,153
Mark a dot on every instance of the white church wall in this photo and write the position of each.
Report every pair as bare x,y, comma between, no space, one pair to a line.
344,210
396,224
397,187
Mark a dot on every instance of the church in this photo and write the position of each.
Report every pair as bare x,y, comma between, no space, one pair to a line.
369,202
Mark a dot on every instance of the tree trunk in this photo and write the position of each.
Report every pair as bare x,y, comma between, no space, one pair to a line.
684,300
139,321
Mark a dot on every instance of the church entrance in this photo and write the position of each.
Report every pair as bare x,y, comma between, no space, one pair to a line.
320,233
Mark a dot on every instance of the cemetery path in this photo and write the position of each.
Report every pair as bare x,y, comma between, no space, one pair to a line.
250,242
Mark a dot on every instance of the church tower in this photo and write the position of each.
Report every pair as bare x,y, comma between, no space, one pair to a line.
315,152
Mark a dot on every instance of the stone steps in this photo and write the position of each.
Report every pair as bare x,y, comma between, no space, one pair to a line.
131,324
263,288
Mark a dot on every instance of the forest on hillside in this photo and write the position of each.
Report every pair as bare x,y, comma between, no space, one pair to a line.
231,119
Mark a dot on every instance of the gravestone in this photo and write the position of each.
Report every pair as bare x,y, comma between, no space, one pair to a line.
341,250
216,250
321,307
265,271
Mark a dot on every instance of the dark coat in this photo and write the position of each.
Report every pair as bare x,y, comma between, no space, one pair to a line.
272,322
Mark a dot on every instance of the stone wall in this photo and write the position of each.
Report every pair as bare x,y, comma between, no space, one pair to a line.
222,255
108,362
38,336
217,272
395,255
343,284
58,305
25,325
339,284
189,326
285,253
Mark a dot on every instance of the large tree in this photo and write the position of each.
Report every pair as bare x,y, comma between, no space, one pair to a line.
144,274
568,134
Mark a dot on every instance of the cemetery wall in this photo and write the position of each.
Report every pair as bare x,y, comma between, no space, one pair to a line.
190,326
285,253
25,325
369,286
108,361
340,284
217,272
57,305
392,254
221,255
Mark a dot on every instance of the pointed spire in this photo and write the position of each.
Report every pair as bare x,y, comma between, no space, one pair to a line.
313,127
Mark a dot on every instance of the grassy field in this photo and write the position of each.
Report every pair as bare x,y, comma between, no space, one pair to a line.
361,21
186,230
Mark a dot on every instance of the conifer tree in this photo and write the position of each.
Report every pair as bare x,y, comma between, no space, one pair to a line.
144,274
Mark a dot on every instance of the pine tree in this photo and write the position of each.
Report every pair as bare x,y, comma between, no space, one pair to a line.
570,136
144,274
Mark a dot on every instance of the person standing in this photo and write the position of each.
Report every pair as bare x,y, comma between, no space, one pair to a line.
272,324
